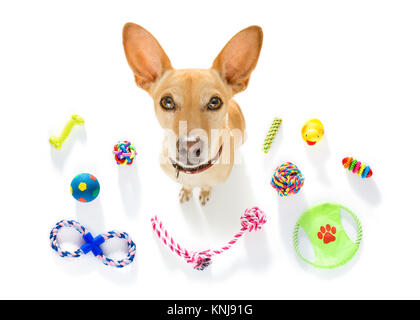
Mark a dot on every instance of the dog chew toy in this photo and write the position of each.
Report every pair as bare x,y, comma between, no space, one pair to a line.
252,220
357,167
125,153
312,131
274,128
84,187
57,142
332,246
92,244
287,179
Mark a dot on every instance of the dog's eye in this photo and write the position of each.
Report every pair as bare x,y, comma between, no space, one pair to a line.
167,103
215,103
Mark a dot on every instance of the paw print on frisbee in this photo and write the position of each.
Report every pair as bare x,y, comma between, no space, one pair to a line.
331,244
327,233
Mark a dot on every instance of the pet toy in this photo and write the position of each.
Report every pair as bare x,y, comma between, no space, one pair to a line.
92,244
287,179
58,141
312,131
84,187
332,246
357,167
125,153
252,219
274,128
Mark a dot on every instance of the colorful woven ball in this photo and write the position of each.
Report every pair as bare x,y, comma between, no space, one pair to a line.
125,153
287,179
84,187
357,167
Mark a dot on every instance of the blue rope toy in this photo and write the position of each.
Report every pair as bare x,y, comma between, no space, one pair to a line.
92,244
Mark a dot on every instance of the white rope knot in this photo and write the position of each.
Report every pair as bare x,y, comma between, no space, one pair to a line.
253,219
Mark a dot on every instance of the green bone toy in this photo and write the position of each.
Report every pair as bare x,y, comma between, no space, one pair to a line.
58,141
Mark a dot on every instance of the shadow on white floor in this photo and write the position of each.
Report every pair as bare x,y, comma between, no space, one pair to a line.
222,215
129,182
366,189
59,157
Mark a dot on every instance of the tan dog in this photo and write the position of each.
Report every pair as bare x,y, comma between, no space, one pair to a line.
195,104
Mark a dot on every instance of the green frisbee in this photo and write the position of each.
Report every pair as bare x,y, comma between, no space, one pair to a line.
332,246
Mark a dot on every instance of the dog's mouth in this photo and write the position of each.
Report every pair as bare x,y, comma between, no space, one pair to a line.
199,168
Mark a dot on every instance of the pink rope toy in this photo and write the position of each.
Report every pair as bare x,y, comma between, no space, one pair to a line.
252,220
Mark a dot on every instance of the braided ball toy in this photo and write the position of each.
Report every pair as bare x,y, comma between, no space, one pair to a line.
274,128
253,219
361,169
287,179
92,244
125,153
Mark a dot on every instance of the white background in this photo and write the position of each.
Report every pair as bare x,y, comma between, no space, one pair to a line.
354,65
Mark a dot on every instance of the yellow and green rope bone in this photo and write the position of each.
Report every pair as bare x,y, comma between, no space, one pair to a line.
274,128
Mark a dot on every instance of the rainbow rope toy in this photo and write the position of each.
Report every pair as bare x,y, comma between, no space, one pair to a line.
92,244
287,179
252,219
357,167
274,128
125,153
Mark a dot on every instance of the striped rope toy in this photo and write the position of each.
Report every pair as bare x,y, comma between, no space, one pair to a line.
92,244
252,219
272,132
287,179
361,169
125,153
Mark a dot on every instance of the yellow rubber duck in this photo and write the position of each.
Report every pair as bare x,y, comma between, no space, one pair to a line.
312,131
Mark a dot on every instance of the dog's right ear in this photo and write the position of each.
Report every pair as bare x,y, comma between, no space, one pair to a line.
144,55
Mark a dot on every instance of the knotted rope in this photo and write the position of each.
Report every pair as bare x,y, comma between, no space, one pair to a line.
287,179
92,244
252,220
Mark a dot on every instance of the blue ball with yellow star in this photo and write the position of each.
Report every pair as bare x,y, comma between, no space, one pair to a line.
84,187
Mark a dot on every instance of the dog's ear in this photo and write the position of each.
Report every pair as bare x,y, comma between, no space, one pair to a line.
239,57
144,55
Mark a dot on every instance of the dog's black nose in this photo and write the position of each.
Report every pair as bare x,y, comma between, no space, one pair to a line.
189,150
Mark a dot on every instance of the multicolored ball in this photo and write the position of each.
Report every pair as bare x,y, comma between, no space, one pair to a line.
125,153
361,169
84,187
287,179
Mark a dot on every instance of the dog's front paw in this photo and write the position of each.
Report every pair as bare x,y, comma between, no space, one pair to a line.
204,196
185,195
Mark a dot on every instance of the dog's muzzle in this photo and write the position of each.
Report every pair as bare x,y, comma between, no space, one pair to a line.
198,168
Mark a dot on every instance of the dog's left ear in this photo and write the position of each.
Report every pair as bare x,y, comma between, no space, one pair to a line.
239,57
